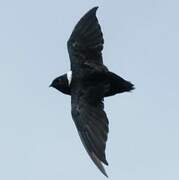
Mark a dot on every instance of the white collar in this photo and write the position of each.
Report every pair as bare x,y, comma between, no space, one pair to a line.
69,77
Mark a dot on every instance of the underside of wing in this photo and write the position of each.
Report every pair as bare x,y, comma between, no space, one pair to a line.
86,40
91,121
92,125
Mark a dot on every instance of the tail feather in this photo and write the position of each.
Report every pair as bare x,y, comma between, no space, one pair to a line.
118,85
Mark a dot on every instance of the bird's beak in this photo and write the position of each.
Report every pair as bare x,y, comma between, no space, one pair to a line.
50,85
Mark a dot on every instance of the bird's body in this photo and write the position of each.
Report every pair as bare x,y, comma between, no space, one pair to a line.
88,82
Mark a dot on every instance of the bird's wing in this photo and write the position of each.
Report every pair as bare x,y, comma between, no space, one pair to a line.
91,121
86,41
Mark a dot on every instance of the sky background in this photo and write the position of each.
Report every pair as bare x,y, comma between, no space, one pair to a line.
38,139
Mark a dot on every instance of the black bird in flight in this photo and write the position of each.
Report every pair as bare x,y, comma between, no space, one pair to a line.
88,82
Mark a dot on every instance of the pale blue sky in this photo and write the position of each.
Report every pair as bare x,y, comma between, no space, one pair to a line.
38,139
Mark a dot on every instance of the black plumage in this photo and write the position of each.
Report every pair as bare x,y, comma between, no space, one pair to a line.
91,81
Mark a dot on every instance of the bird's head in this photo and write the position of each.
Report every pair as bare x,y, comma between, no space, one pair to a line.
62,84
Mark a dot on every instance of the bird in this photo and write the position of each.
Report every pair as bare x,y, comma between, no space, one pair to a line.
88,82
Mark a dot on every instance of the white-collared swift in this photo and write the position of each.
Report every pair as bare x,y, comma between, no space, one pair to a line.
88,82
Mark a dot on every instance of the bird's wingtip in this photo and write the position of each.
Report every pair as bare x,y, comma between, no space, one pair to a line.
105,174
94,9
98,163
